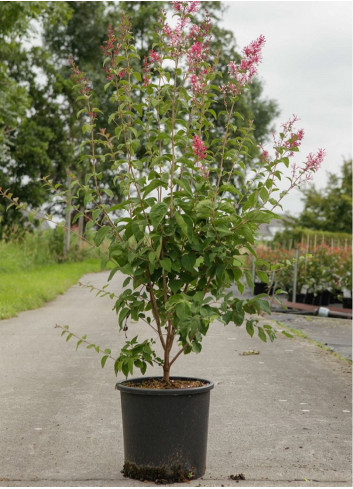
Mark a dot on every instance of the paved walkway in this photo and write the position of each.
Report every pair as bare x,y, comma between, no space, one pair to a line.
281,418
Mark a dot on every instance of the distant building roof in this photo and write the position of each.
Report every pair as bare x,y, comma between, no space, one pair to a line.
267,231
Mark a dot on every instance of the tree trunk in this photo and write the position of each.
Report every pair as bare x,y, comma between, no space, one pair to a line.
166,372
68,215
166,366
80,226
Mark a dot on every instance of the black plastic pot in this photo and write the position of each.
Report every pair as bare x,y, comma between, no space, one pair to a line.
165,431
261,288
299,297
325,298
309,298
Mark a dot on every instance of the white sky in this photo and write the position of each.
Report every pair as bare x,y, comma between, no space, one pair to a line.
307,69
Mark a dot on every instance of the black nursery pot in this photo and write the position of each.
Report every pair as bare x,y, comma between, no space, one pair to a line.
165,431
260,288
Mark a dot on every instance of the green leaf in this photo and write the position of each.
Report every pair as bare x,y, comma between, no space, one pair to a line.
250,328
181,223
262,334
108,192
196,347
157,213
249,279
262,305
126,281
211,111
113,272
123,314
166,264
262,276
185,185
176,285
264,194
137,75
153,185
204,208
188,262
125,368
103,360
101,234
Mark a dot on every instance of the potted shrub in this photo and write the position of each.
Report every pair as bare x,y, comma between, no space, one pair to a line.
186,226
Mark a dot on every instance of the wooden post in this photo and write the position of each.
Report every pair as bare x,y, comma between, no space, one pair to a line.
307,243
294,296
315,238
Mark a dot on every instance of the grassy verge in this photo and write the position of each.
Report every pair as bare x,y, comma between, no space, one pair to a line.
33,271
23,290
300,334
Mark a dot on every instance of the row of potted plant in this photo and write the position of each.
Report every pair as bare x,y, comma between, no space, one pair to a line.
322,277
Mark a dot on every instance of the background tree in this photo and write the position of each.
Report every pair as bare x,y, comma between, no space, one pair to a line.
29,140
330,209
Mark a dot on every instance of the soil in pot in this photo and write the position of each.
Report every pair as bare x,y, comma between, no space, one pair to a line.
154,383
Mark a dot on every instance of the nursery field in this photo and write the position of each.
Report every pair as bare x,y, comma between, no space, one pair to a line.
320,276
32,272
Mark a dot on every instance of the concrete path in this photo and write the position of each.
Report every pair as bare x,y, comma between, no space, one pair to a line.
281,418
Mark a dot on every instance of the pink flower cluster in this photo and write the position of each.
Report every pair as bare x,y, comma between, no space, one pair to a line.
186,7
244,72
80,78
177,38
264,156
304,173
205,173
313,162
289,140
112,47
295,140
199,148
197,54
154,57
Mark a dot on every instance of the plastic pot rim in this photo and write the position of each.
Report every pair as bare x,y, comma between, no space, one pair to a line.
164,392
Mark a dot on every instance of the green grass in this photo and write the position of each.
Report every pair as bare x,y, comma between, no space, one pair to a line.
30,289
31,271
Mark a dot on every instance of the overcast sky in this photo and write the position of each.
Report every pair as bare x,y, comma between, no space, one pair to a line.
307,69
